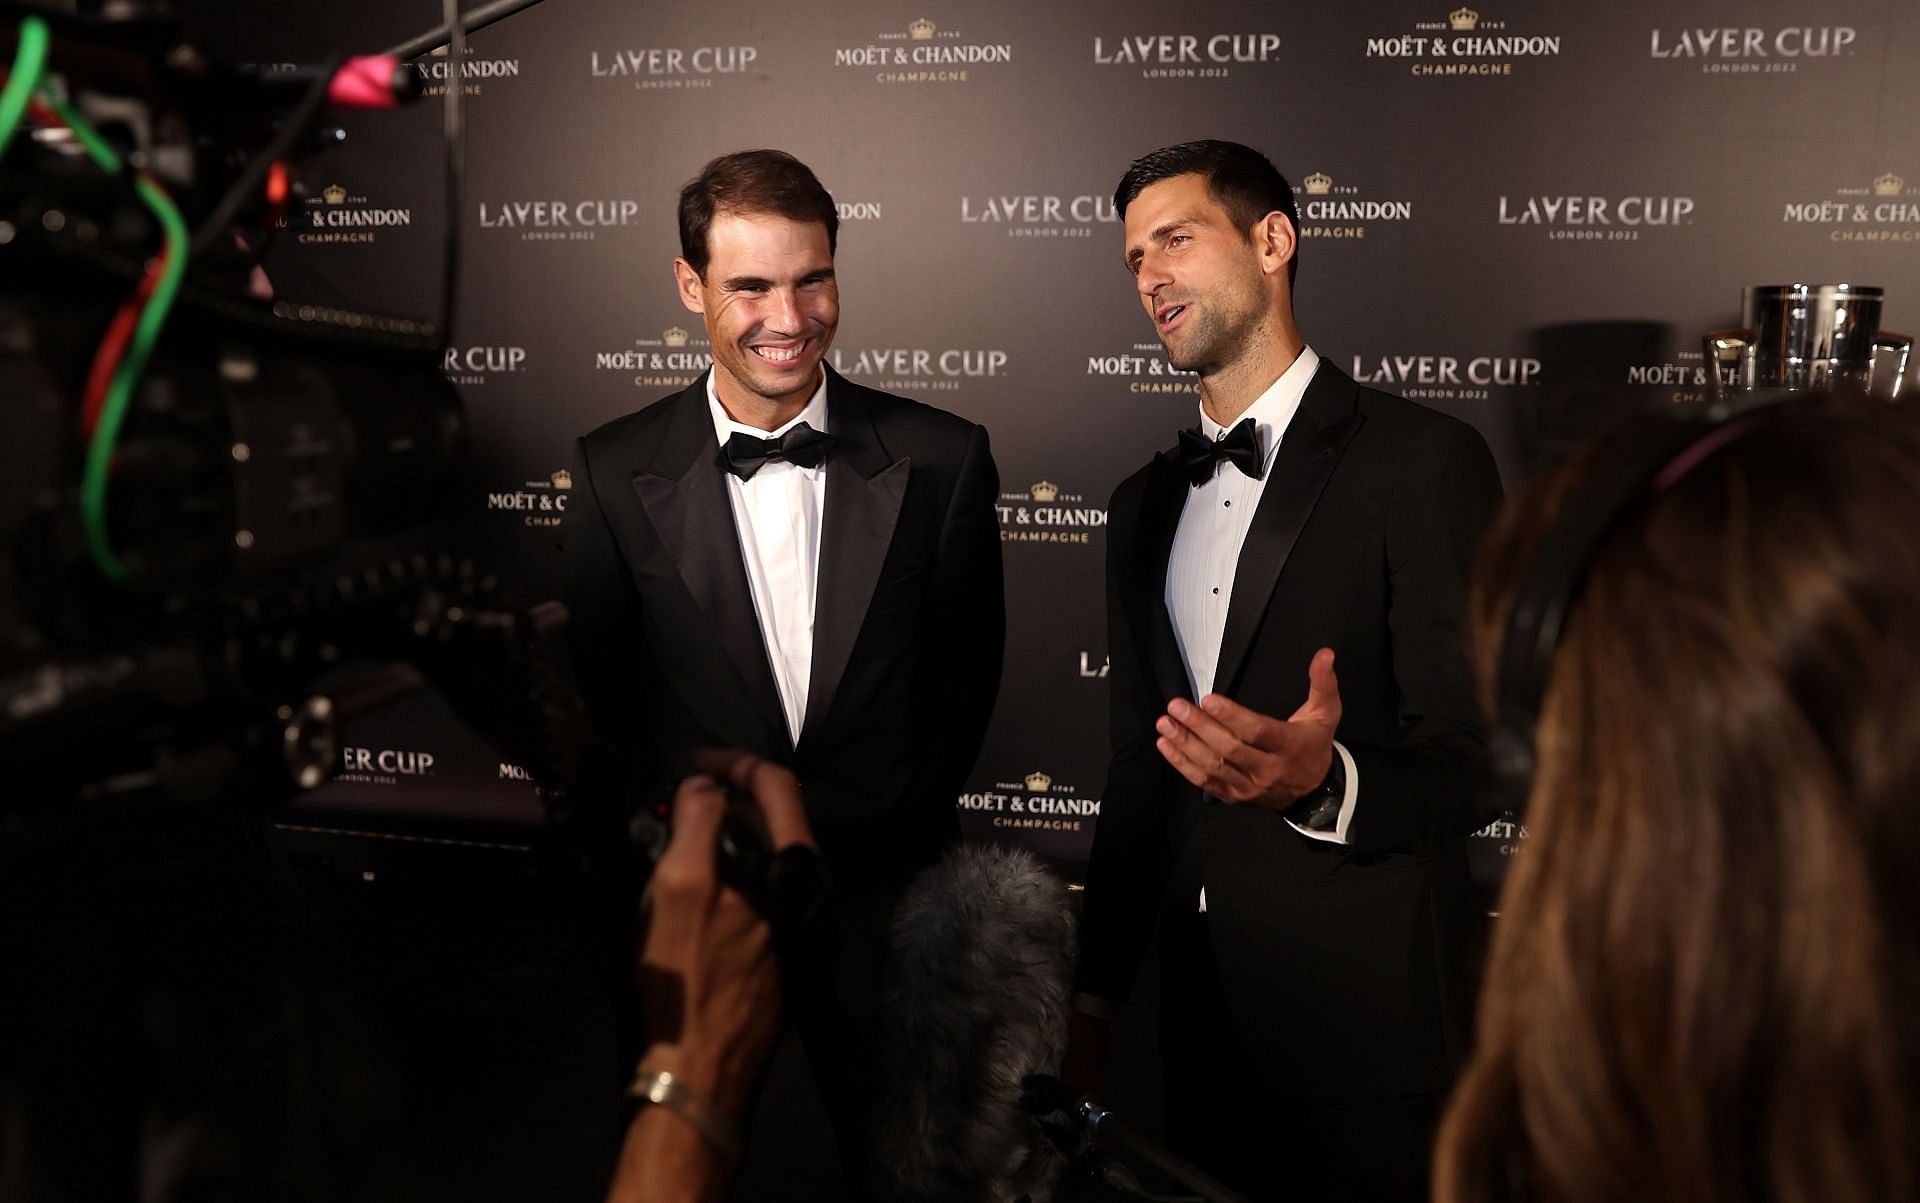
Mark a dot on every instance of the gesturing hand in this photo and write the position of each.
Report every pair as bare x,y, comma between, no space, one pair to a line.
1243,756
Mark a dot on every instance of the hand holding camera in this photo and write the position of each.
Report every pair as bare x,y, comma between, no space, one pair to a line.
709,984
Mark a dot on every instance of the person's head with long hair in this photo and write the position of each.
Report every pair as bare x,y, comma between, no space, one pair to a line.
1705,981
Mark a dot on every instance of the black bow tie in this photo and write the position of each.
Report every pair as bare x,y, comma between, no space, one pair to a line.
802,446
1200,455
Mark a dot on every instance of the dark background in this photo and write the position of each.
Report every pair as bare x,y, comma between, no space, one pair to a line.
1031,327
962,288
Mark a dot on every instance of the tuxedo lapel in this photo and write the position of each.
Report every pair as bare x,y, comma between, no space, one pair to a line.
1309,451
865,487
684,492
1160,508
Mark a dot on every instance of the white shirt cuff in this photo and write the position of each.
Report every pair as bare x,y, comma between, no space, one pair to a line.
1339,833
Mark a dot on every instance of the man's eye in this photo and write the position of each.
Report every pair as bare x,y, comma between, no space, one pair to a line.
1177,239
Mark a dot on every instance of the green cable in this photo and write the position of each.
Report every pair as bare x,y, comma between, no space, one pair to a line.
97,148
146,332
28,64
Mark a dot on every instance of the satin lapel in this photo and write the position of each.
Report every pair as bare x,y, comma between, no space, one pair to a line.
1309,452
684,492
865,487
1165,497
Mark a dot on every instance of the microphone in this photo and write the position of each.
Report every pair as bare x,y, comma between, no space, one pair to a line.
978,994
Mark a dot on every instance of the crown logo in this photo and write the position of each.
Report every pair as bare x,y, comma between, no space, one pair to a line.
1888,185
674,336
1463,18
1039,783
920,30
1318,184
334,194
1045,490
563,479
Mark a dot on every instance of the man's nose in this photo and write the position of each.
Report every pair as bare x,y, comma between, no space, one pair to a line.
786,311
1152,275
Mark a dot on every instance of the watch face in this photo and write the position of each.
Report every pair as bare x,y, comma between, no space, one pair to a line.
1326,813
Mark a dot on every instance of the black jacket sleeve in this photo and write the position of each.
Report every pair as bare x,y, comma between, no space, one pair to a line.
1133,842
1425,788
970,607
604,635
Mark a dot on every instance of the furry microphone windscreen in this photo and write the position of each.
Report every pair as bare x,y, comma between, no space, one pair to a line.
979,991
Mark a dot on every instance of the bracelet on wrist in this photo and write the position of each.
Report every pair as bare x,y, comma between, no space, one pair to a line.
676,1096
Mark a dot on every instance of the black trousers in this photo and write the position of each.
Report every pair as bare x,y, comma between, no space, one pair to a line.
1225,1117
833,996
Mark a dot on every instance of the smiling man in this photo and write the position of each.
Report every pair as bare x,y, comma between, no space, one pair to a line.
782,561
1296,834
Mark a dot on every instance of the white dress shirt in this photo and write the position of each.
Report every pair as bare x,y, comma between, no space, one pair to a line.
777,514
1206,555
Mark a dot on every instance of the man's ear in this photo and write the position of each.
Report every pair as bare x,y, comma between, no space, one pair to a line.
688,284
1276,239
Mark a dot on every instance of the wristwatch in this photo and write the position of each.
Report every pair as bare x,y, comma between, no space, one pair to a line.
1319,809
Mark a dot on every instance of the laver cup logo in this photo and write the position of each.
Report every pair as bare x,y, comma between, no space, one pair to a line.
651,68
1753,50
1445,377
913,370
383,766
558,220
923,53
1465,43
475,365
1595,218
1185,55
1039,215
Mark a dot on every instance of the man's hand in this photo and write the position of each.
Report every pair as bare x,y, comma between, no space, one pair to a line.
708,982
1239,755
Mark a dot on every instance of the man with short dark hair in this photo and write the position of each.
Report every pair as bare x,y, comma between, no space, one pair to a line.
781,561
1297,835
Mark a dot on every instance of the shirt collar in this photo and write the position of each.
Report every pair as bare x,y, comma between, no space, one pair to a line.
1275,408
814,415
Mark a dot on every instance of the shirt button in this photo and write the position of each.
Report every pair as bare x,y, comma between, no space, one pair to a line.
1216,590
1228,504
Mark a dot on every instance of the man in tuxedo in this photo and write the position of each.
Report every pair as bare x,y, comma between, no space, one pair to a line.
1297,832
781,561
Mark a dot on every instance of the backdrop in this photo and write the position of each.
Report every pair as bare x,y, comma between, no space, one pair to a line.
1524,215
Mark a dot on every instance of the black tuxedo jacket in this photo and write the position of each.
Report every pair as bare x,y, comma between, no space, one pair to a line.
908,630
1342,965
